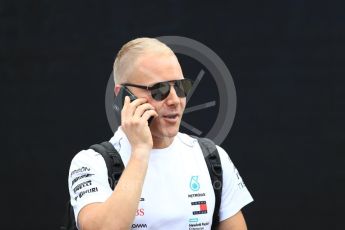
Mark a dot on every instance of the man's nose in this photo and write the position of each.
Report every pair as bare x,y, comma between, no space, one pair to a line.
172,97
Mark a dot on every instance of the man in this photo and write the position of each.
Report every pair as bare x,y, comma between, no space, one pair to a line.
156,188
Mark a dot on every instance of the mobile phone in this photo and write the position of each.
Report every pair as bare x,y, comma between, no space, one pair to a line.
119,101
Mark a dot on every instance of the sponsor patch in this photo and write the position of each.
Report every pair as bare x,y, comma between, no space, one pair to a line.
80,170
135,226
81,177
196,195
82,193
200,207
82,185
194,184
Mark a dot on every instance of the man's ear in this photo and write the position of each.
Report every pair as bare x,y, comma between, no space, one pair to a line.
117,89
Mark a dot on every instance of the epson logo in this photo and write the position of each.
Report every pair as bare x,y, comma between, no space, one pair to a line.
82,169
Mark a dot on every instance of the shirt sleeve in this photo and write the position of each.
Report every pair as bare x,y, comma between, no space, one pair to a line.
87,180
235,194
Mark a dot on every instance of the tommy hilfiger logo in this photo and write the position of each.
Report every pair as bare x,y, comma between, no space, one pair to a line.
200,207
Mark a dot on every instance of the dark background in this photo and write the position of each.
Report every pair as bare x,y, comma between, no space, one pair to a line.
287,63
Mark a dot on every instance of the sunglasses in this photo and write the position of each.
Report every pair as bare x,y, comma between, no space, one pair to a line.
161,90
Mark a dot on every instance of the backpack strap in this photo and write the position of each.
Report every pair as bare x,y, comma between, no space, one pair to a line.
115,167
214,166
68,221
112,160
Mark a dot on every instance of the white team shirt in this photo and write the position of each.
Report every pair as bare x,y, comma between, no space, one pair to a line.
177,191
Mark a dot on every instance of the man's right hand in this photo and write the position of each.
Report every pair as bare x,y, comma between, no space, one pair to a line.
134,122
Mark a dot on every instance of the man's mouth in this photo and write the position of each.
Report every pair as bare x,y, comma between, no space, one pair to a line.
171,117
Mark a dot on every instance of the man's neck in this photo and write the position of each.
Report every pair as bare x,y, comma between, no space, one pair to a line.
162,142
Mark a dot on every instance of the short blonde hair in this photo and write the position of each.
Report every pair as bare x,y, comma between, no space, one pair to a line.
129,53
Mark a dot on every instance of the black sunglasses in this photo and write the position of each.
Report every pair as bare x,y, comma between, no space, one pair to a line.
161,90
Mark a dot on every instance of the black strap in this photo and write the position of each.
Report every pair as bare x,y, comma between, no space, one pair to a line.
214,166
115,167
68,221
112,160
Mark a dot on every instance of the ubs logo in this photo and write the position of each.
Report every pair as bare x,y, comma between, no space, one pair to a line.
140,212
